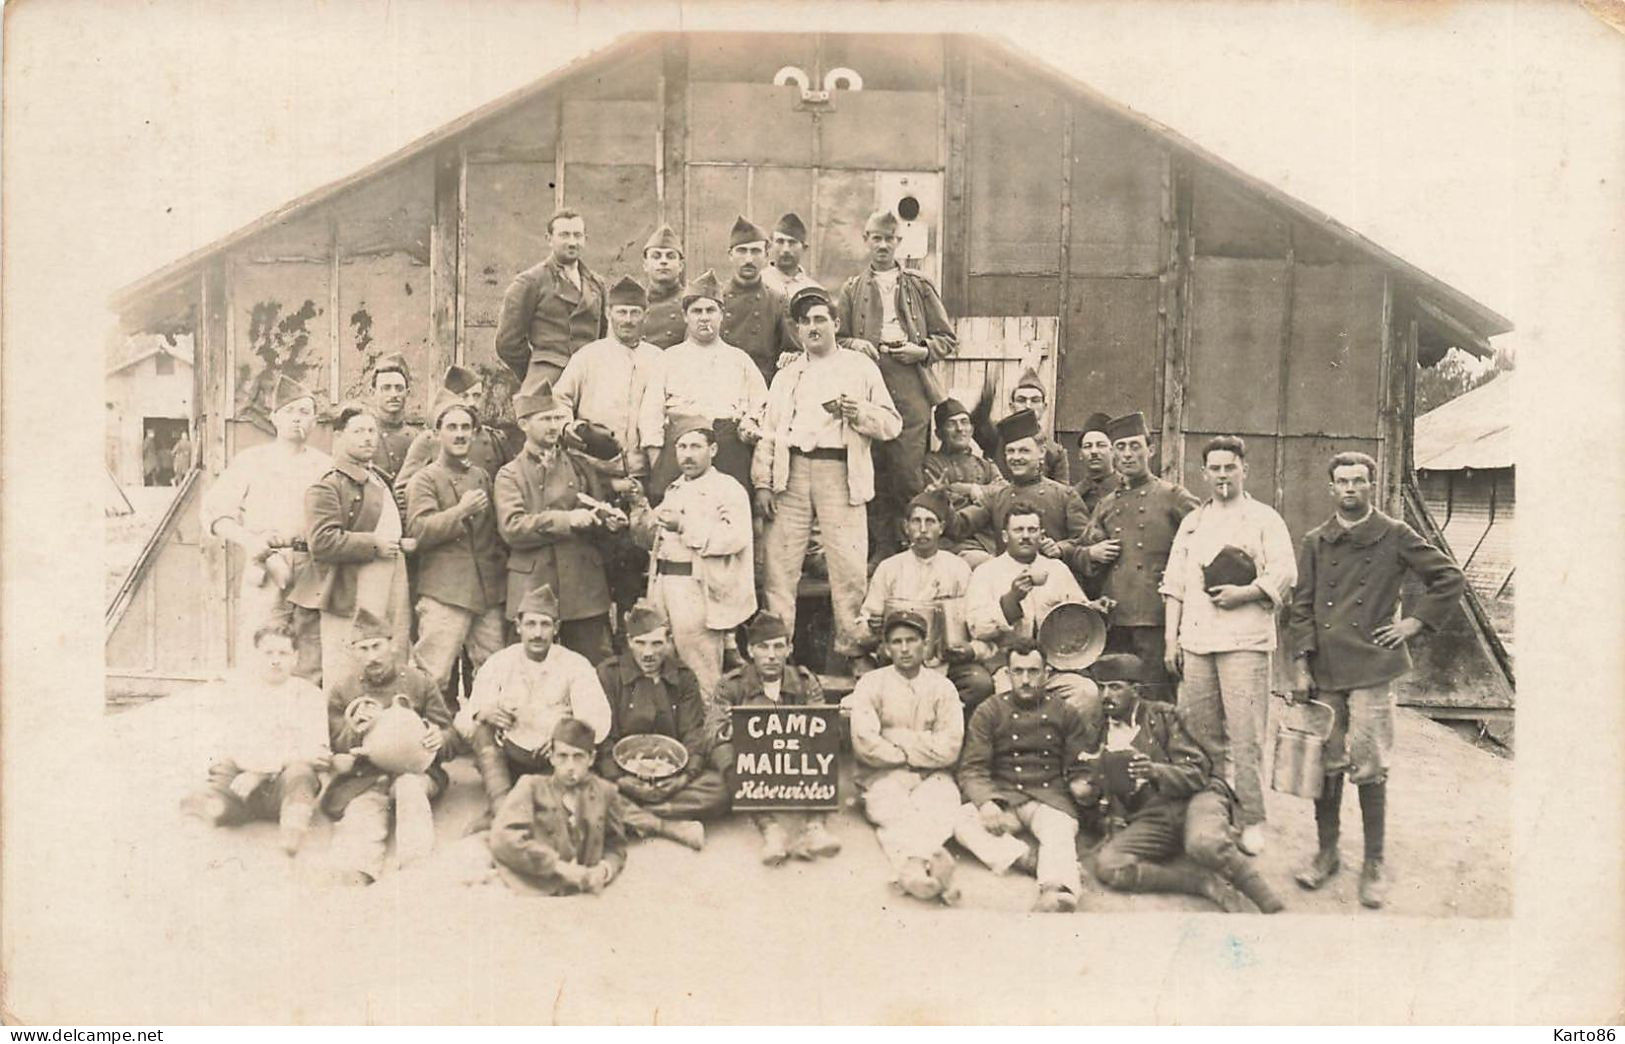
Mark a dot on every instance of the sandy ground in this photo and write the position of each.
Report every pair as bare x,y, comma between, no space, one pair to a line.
201,925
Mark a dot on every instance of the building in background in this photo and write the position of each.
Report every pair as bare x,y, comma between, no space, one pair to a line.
148,389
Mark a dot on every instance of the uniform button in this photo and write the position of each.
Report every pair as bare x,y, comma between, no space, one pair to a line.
1328,627
1334,561
1329,603
1359,601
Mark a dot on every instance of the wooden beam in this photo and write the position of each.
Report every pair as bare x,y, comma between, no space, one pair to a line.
1388,404
335,326
444,240
1452,329
674,133
460,345
1284,371
1177,335
956,200
1065,259
212,367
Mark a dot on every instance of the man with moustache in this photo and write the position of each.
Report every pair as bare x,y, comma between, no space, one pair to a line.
785,251
755,316
390,384
520,694
968,478
605,380
553,308
1348,646
258,503
651,693
1130,534
704,377
1065,523
896,315
461,573
552,533
1095,452
1029,394
813,463
664,325
1230,570
488,448
357,545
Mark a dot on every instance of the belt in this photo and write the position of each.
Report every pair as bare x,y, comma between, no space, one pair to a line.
666,567
822,453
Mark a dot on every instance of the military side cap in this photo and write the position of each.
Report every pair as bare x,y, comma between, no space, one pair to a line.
393,362
1231,565
538,399
1127,426
705,286
1022,424
683,423
1095,422
764,627
593,439
745,232
289,391
459,379
934,501
366,625
946,410
882,221
1118,667
541,601
1029,379
644,617
573,732
445,402
905,618
628,292
802,300
790,225
664,239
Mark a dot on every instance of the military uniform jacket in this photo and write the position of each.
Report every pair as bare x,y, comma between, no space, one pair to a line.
1060,510
426,700
742,687
546,317
969,526
488,451
756,319
1349,583
664,324
1093,490
460,562
533,502
393,444
714,532
1144,516
920,312
532,831
1057,466
1014,753
1160,734
342,509
670,706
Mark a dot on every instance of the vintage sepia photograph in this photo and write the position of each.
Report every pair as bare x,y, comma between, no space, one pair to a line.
679,513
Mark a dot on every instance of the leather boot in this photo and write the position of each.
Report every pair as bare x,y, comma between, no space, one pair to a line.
1184,880
687,832
1246,877
1328,810
492,763
1373,885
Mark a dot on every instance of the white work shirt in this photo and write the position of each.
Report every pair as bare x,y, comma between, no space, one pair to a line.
263,489
1253,527
715,381
540,693
891,329
268,726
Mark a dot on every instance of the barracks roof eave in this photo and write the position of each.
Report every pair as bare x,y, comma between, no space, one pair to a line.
1480,320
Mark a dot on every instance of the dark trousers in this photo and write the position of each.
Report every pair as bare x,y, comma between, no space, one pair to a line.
703,797
1146,643
1200,828
296,784
733,459
589,637
900,462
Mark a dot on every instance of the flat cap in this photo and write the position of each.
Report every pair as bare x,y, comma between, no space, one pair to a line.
1118,667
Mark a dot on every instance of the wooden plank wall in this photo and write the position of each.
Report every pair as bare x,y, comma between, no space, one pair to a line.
1001,348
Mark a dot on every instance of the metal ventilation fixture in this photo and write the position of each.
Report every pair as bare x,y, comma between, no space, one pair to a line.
834,80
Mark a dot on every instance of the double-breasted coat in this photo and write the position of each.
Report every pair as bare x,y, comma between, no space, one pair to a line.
533,502
664,324
1144,515
1014,753
756,320
460,561
546,317
342,509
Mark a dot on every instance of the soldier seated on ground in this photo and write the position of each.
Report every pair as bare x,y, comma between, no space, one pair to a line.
1160,797
1021,750
364,791
561,832
651,693
770,680
275,742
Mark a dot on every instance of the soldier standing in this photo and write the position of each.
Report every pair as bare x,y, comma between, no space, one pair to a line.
785,250
664,324
552,309
755,316
390,383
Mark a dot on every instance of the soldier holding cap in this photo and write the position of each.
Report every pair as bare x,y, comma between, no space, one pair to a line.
604,381
755,315
1156,784
1029,394
785,250
701,542
896,314
664,324
552,532
1131,532
357,544
1220,630
769,679
561,832
390,383
1065,522
521,693
1095,451
907,729
462,565
826,408
488,449
553,308
258,503
361,795
923,575
705,377
968,478
651,693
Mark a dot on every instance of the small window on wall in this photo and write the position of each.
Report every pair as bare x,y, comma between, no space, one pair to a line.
164,363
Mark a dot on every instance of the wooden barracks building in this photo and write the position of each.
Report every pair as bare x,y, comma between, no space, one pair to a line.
1138,270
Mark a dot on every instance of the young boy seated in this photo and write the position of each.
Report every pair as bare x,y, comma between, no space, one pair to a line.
563,833
275,742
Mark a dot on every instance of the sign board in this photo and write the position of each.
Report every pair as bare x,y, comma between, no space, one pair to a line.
784,758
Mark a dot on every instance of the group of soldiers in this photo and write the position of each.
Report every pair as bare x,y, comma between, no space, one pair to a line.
635,566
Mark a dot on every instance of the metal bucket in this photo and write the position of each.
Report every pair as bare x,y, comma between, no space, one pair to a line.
1299,766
